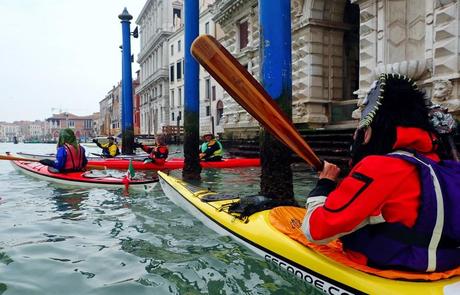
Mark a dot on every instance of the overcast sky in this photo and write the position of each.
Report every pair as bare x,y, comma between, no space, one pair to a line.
60,54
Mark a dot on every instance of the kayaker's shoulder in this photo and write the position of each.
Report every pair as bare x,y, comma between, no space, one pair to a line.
381,163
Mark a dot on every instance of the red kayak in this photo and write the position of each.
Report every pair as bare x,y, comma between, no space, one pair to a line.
174,163
86,179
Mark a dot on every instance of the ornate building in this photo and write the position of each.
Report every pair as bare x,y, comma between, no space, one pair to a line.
156,22
418,38
81,125
110,112
340,46
211,93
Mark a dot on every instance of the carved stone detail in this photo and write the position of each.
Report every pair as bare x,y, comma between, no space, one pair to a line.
414,69
368,41
446,35
441,3
442,90
442,95
361,95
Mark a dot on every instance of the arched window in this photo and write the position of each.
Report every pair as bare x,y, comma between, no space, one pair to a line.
219,111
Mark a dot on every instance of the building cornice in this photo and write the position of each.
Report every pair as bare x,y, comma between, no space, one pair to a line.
160,74
152,44
141,14
226,9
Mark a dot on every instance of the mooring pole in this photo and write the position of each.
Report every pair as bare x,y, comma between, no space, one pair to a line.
192,166
127,129
276,77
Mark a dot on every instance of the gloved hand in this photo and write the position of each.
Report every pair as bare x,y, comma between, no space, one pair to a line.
137,145
94,140
148,160
47,162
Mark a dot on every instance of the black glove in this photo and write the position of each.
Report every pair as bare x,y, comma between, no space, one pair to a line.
47,162
137,145
94,140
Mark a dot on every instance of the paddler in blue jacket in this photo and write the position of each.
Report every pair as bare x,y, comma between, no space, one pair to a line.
70,156
211,150
399,206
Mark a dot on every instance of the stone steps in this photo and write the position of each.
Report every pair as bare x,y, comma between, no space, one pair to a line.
329,145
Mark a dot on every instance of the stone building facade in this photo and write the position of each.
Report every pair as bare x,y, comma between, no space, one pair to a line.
156,23
340,46
110,112
211,93
161,62
81,125
418,38
176,76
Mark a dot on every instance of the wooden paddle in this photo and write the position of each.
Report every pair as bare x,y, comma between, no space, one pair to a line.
13,158
248,92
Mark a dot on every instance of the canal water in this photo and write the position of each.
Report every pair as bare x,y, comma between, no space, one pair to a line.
56,240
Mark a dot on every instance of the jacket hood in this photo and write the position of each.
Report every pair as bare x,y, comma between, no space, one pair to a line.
416,139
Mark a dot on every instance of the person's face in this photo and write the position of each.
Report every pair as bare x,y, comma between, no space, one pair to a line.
208,137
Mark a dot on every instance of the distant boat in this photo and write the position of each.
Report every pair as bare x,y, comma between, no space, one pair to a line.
15,140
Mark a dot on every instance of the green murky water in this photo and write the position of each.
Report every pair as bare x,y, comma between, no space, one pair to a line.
95,241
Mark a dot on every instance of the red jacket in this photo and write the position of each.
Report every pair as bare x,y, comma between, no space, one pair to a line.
378,189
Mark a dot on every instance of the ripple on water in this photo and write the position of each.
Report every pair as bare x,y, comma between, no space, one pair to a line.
58,240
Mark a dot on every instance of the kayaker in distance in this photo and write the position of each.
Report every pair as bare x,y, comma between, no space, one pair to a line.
158,153
70,156
110,149
211,150
398,207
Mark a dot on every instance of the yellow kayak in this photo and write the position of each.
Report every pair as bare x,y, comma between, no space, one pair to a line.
258,234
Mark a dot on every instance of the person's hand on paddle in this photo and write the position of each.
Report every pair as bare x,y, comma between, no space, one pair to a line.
94,140
330,171
47,162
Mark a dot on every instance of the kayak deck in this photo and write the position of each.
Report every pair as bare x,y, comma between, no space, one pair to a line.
122,162
86,179
174,163
318,270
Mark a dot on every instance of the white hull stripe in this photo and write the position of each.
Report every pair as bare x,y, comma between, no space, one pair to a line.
146,186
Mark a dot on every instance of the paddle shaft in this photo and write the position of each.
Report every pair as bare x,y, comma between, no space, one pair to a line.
13,158
248,92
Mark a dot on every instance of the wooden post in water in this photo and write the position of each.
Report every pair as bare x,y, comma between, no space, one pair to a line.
192,168
276,77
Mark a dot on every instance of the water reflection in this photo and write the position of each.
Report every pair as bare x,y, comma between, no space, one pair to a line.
69,203
58,240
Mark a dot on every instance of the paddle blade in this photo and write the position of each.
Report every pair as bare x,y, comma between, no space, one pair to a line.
248,92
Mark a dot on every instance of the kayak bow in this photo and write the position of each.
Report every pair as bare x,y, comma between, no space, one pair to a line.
84,179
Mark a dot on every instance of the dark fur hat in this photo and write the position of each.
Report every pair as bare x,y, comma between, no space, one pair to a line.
394,100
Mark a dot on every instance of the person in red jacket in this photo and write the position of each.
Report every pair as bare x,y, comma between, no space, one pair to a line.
158,153
393,209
